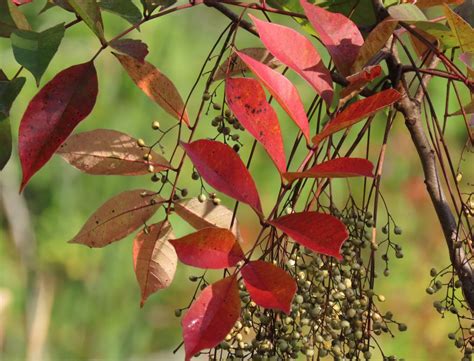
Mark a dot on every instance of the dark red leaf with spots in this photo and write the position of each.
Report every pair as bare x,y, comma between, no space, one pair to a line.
118,217
335,168
281,89
53,114
320,232
269,286
358,111
246,98
211,317
212,247
339,34
154,259
298,53
222,168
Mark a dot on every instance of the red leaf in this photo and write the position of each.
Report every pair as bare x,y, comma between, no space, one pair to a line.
155,85
53,114
335,168
222,168
109,152
213,248
357,111
134,48
211,317
358,81
154,259
282,90
339,34
269,285
296,51
118,217
246,99
319,232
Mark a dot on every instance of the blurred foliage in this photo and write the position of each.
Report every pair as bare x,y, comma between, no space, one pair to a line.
95,312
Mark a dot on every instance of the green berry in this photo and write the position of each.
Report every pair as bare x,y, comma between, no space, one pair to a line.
402,327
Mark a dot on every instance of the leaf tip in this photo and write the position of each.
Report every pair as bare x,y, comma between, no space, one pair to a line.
24,182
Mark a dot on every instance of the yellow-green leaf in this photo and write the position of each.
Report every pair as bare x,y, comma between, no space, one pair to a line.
374,43
464,32
89,11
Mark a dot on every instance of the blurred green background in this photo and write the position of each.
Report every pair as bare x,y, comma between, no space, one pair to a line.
67,302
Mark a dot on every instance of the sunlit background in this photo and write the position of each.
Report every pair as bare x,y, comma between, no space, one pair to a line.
61,301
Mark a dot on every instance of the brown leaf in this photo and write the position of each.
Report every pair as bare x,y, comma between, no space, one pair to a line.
155,85
134,48
374,43
236,66
206,214
154,259
118,217
109,152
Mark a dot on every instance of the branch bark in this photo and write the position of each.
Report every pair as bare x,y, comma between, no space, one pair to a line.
412,112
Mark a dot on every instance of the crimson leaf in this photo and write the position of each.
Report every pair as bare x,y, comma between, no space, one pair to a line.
212,247
211,317
53,114
246,99
357,111
269,285
222,168
282,89
319,232
296,51
335,168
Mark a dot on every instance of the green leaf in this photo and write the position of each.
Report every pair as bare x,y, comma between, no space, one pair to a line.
464,32
123,8
11,19
5,141
35,50
53,3
9,90
406,12
89,11
441,32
